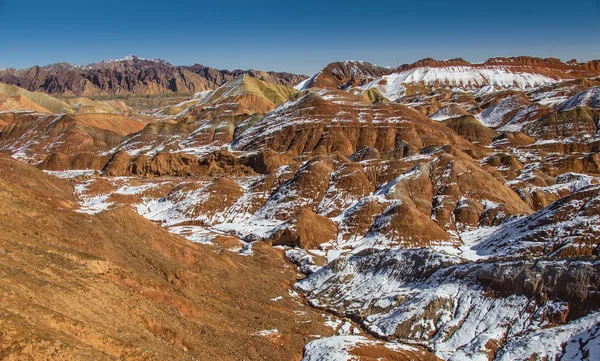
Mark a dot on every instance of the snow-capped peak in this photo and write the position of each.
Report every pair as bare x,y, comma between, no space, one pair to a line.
131,57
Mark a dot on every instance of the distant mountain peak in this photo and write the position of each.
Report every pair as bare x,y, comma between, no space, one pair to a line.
129,60
62,65
133,58
346,74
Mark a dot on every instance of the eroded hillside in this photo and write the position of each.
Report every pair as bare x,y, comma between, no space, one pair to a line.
442,209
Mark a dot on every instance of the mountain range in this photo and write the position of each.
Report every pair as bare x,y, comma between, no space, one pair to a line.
129,75
440,210
135,75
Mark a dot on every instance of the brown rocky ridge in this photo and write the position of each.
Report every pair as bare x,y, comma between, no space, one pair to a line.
130,75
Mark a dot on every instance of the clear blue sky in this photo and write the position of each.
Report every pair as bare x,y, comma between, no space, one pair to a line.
297,36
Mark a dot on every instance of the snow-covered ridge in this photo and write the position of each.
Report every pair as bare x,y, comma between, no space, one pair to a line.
494,116
130,57
567,224
589,98
448,112
63,65
305,84
465,77
349,69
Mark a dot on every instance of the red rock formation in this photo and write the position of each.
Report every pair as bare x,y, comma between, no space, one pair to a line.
551,67
344,75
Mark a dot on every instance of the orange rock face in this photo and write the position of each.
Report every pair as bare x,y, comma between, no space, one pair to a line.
306,229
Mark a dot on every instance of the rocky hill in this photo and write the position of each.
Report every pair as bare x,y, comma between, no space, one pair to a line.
343,75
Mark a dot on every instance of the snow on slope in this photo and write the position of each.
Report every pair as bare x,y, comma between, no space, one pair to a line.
96,203
496,115
588,98
458,310
71,174
448,112
333,348
390,86
521,117
305,84
571,224
578,340
337,348
470,78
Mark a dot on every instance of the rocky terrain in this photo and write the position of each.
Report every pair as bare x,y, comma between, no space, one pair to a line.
439,210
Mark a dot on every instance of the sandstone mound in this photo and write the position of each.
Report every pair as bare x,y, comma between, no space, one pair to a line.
267,161
513,139
348,184
113,122
246,86
404,225
344,75
359,218
305,189
41,100
365,153
374,96
471,129
449,111
306,230
59,161
19,103
576,123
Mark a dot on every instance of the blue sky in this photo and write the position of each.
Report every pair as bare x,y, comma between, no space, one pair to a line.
295,36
